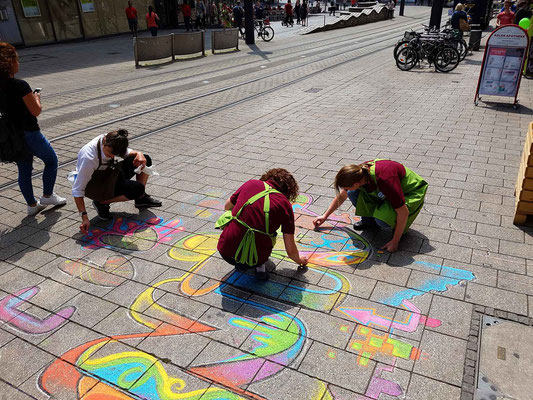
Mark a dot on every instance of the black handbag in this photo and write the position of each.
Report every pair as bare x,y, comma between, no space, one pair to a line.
102,184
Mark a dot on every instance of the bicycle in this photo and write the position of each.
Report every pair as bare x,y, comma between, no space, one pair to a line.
444,57
264,30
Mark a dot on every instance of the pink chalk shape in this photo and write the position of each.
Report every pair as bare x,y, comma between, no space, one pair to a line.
267,370
25,322
379,385
431,322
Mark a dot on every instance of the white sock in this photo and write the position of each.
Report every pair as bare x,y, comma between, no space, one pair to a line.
261,268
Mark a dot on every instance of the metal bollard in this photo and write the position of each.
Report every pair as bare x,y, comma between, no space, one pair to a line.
475,37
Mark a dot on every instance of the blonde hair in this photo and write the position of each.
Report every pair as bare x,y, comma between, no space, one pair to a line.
349,175
459,7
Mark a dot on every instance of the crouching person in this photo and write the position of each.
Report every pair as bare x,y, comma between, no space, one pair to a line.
105,180
254,214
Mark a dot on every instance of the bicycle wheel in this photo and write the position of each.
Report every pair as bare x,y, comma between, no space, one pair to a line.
461,46
407,58
400,45
268,33
446,59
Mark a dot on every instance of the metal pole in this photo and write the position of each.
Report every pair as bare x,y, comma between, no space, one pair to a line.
249,21
436,14
402,6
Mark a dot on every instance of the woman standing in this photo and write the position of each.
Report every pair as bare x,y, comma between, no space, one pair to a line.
151,19
297,11
259,208
384,193
303,12
22,108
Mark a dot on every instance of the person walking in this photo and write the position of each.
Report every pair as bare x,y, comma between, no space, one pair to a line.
200,13
104,180
213,14
303,13
384,193
332,8
297,7
186,11
131,15
151,18
506,17
22,107
288,14
254,214
238,15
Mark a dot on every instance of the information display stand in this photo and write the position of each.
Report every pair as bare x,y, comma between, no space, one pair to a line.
503,63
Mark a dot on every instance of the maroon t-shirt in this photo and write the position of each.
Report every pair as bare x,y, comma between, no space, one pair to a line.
388,177
281,214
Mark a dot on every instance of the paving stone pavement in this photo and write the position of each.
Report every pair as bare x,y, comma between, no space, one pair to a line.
145,308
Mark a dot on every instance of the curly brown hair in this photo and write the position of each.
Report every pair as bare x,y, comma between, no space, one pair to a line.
284,181
8,57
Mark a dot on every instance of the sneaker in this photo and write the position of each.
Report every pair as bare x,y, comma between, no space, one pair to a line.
36,209
102,210
364,224
261,273
147,201
53,200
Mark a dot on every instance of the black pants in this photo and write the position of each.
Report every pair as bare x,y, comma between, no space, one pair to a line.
238,266
125,186
188,23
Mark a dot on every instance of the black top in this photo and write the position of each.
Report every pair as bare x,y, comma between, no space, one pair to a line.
16,110
522,13
456,16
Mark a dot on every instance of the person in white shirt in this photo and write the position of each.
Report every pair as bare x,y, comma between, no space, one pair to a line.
98,154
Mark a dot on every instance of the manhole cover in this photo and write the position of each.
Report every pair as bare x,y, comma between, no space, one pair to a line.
505,360
113,53
313,90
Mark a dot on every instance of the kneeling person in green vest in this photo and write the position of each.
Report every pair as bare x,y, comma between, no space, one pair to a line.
253,215
385,193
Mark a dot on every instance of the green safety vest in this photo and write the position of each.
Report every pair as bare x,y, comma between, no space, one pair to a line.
247,250
371,205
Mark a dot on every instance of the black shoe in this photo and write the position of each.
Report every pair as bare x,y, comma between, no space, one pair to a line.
102,210
364,224
147,201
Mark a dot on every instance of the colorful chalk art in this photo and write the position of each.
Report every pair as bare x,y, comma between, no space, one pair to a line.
261,341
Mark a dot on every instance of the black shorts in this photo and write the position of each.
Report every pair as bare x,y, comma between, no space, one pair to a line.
133,24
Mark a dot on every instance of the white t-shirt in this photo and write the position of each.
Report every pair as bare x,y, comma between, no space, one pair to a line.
88,163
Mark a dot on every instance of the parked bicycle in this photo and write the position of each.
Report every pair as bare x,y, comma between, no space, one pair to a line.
263,29
444,57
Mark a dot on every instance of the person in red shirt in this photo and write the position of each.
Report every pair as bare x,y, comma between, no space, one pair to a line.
131,15
186,10
288,14
384,192
506,17
151,19
253,215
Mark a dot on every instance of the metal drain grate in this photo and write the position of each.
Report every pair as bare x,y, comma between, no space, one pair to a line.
34,57
313,90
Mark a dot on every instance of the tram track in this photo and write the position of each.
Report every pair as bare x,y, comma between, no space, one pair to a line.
380,44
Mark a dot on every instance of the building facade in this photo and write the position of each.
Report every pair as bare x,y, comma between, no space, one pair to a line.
36,22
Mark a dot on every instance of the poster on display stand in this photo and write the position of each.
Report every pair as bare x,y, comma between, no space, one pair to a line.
503,62
528,69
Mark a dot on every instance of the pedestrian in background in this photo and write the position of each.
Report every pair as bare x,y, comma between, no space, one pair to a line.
458,15
23,106
151,18
238,14
522,11
258,209
131,15
303,12
100,177
213,14
288,14
186,10
200,14
297,7
506,17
